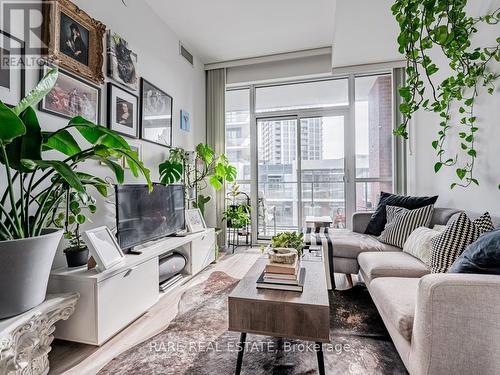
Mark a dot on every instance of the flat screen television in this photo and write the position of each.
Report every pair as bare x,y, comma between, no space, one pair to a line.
143,216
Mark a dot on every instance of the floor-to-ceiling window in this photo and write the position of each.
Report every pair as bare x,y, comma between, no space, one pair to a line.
316,148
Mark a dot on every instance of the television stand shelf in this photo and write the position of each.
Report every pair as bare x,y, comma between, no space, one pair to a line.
112,299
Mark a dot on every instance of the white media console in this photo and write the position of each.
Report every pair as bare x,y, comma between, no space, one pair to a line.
112,299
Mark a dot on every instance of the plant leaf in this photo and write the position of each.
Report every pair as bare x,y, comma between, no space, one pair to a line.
170,172
38,93
11,126
61,141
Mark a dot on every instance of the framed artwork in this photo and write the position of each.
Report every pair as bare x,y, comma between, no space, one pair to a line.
72,96
194,220
123,109
103,247
12,73
156,114
74,39
122,61
185,125
135,146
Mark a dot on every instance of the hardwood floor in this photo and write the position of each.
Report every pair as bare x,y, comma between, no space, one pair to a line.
75,359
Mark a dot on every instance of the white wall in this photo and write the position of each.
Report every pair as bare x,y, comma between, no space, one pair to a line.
424,131
159,62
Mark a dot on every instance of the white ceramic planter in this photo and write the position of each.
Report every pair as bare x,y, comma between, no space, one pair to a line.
24,271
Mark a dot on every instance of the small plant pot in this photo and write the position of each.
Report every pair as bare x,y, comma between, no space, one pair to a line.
282,255
77,258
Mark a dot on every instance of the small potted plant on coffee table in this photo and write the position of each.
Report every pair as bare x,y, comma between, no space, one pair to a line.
285,247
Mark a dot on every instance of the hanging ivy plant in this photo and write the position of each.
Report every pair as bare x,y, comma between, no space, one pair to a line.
444,24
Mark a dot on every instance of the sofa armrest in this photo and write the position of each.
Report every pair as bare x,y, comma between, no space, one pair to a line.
457,325
360,221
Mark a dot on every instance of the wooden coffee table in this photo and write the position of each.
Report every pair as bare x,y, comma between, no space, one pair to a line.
304,316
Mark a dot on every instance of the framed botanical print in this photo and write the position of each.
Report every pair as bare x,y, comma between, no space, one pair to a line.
71,97
122,61
156,114
12,73
74,39
123,107
185,124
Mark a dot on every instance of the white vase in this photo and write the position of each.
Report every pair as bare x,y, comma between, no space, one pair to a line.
24,271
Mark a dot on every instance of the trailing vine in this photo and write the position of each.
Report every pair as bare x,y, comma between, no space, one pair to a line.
425,24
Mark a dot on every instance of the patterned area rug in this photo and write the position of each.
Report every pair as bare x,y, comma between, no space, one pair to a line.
197,340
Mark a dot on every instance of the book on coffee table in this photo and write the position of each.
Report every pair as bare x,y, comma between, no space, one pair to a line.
282,268
283,284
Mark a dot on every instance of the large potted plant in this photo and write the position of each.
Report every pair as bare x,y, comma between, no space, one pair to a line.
32,189
199,169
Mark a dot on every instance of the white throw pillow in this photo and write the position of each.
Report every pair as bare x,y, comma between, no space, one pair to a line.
419,244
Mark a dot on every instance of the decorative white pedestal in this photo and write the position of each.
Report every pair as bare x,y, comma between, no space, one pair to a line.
26,338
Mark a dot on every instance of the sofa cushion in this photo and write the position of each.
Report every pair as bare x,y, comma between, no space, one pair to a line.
401,222
347,244
396,298
379,218
390,264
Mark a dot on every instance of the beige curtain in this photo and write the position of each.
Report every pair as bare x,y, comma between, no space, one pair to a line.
216,135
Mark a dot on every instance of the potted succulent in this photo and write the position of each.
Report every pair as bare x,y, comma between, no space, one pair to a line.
32,189
285,247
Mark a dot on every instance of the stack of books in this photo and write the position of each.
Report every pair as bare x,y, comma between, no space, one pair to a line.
281,276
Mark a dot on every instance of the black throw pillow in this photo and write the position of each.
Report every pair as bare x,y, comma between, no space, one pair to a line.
482,256
379,217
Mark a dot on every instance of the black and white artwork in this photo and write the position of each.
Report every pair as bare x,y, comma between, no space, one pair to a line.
122,61
122,111
74,39
72,96
11,69
156,114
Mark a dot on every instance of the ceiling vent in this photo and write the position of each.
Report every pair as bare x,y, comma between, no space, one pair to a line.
186,54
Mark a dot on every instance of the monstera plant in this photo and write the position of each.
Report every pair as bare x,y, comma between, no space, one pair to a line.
200,169
32,188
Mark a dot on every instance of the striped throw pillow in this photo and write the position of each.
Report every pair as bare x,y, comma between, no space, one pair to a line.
447,246
401,222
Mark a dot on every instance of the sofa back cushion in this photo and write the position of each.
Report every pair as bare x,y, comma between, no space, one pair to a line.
379,218
482,256
401,222
442,215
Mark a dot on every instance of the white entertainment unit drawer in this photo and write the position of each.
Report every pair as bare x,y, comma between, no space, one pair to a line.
112,299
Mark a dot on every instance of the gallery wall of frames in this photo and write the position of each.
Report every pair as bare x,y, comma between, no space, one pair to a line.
94,60
142,89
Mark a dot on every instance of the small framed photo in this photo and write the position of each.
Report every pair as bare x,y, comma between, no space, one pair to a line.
72,96
12,73
135,146
194,220
103,247
122,111
156,114
185,124
122,61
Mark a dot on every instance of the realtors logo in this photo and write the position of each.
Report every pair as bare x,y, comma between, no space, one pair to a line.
21,24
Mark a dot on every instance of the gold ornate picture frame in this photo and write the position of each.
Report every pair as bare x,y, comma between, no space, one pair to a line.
74,39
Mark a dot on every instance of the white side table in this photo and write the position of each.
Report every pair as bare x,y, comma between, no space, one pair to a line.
25,339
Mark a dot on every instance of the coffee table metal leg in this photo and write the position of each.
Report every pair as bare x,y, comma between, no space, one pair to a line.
241,349
321,361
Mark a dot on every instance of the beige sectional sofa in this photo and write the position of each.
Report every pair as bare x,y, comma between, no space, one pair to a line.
439,323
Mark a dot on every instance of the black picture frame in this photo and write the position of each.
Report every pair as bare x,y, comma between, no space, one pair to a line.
110,106
22,71
41,105
143,83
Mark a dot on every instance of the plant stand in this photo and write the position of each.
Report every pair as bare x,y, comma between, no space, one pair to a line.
25,339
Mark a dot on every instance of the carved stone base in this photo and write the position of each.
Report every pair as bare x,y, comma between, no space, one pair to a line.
25,339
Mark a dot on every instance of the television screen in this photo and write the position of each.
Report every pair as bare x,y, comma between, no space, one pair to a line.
142,216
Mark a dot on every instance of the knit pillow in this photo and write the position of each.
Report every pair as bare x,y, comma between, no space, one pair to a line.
419,244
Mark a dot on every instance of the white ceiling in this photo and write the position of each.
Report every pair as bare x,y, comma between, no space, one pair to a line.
221,30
